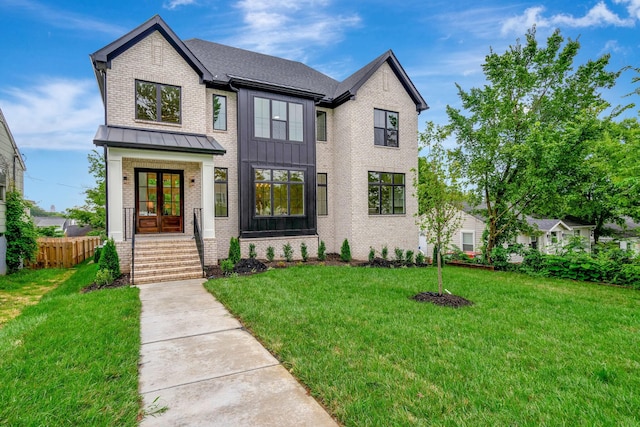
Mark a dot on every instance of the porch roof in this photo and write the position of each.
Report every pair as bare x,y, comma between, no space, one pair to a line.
146,139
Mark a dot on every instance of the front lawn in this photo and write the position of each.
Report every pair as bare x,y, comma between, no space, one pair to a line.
530,351
72,358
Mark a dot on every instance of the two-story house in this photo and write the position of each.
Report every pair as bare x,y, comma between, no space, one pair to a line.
12,169
214,141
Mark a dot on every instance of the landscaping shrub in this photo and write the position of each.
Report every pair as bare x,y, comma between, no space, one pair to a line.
109,259
303,252
500,257
20,233
409,257
252,251
434,260
399,254
103,277
533,263
96,254
234,250
227,266
345,251
287,251
271,253
419,258
372,254
628,275
385,252
322,251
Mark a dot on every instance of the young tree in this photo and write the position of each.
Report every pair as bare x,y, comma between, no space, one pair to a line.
93,212
439,193
523,134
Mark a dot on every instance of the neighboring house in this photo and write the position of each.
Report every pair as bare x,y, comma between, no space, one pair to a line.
12,169
627,235
254,146
60,223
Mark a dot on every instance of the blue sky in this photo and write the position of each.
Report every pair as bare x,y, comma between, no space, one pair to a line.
50,98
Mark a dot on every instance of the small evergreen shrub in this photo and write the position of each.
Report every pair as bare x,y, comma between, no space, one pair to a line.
287,252
109,259
345,251
322,249
409,257
252,251
234,250
372,254
103,277
96,254
271,253
226,266
399,254
419,258
303,252
384,252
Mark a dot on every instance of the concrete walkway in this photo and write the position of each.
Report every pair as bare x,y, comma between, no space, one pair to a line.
197,361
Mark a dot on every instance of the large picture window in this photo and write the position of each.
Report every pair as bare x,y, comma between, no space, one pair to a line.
385,128
157,102
279,192
322,205
221,189
219,112
277,119
386,193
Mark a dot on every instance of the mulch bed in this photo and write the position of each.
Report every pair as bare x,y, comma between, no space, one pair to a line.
121,281
446,300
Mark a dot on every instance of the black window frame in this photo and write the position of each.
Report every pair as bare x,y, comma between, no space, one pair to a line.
322,187
388,130
159,115
379,185
321,117
217,182
272,182
273,120
216,96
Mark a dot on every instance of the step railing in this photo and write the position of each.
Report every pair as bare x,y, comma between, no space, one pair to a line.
130,234
197,234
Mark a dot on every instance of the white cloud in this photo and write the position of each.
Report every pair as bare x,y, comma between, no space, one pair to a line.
289,28
598,16
59,114
173,4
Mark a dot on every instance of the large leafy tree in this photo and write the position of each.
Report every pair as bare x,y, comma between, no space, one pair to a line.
93,212
21,233
439,193
523,134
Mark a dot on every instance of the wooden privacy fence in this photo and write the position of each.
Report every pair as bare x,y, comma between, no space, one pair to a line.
64,252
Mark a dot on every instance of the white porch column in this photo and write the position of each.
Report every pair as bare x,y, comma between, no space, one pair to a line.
114,183
208,199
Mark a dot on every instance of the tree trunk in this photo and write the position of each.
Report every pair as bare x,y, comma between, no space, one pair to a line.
491,239
439,274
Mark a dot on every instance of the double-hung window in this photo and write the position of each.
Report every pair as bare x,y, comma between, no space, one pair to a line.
277,119
386,193
221,190
385,128
279,192
219,112
467,241
157,102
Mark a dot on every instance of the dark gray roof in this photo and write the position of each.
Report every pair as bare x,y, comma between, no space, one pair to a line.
116,136
545,224
629,228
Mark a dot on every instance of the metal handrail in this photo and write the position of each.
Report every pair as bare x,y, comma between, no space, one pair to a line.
130,213
197,234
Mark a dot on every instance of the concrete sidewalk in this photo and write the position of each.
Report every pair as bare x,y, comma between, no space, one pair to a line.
197,361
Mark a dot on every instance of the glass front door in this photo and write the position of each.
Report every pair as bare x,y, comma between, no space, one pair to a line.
159,201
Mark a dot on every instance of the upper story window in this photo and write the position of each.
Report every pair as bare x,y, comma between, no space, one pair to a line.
277,119
386,193
157,102
219,112
321,125
385,128
279,192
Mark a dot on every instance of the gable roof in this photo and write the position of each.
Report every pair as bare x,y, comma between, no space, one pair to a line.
221,65
4,124
546,224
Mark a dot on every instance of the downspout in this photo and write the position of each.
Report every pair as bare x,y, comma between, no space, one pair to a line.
106,192
14,178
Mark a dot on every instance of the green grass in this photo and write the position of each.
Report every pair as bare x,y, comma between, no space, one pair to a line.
531,351
72,358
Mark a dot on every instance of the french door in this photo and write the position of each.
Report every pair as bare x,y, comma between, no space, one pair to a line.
159,196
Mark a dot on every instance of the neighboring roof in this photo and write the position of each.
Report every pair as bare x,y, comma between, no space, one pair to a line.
546,224
576,223
123,137
3,121
218,64
629,228
49,221
78,231
475,211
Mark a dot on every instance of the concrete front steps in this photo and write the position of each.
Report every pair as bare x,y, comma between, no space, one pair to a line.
163,259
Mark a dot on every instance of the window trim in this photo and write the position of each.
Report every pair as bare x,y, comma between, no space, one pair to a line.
387,128
379,184
226,195
473,240
158,87
325,187
323,114
214,112
271,181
